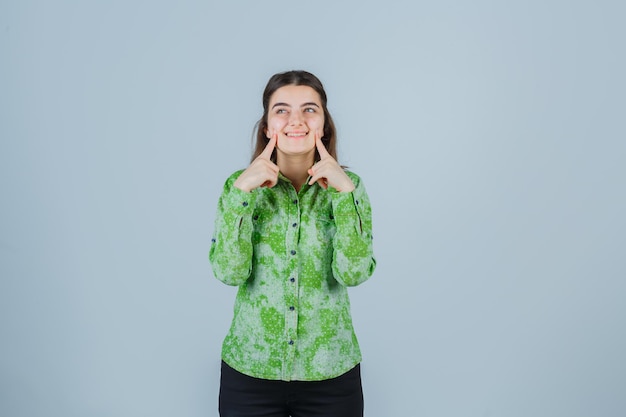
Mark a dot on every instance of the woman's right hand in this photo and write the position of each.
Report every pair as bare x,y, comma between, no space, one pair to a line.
262,172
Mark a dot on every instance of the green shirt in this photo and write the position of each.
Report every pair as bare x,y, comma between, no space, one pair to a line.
293,255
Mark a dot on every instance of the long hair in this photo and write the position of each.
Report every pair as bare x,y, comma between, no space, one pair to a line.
329,138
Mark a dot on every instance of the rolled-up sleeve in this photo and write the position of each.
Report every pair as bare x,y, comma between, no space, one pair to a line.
231,246
353,256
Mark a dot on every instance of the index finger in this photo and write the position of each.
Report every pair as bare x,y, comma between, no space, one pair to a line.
320,147
269,148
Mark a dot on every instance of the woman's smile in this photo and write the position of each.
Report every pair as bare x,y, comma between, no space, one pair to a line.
296,135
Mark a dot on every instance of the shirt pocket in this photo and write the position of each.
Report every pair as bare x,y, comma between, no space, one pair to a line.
325,228
261,227
268,231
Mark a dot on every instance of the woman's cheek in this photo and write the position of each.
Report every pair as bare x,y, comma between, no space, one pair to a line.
316,123
275,125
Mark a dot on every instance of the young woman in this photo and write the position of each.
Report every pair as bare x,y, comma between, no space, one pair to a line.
292,231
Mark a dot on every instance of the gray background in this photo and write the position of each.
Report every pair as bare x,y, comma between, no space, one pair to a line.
490,136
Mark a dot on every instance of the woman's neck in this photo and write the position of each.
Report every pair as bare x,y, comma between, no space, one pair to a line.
295,167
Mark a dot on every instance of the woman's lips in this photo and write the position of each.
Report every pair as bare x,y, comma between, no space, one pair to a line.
296,135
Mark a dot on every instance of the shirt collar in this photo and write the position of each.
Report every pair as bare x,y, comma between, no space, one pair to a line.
288,181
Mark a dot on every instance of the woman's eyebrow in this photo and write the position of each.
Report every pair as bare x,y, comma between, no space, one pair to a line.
310,103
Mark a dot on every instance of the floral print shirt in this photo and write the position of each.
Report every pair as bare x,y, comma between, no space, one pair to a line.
292,255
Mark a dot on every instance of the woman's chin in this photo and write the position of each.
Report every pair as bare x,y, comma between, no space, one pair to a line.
296,151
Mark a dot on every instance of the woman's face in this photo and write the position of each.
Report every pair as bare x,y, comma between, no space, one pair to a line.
296,115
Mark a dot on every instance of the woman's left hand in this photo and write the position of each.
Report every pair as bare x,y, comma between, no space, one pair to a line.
327,172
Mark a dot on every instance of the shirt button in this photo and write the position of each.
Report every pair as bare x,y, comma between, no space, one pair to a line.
292,279
245,204
293,252
256,217
292,308
213,240
295,224
291,342
295,201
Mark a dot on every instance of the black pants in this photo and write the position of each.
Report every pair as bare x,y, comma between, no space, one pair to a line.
245,396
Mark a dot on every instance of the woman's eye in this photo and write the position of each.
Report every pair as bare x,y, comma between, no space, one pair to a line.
281,111
309,110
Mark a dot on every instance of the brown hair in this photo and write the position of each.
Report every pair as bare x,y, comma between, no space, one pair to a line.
329,138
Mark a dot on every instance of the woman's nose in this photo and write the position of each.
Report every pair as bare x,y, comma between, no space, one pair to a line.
295,118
